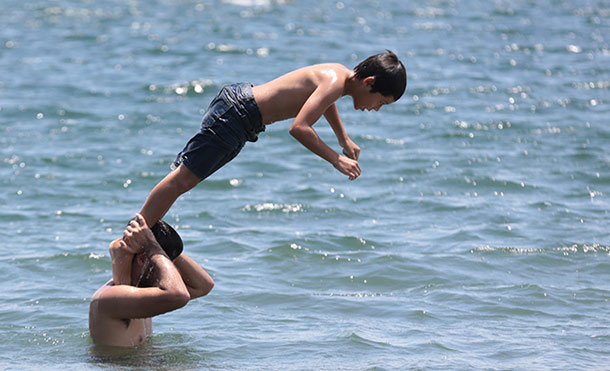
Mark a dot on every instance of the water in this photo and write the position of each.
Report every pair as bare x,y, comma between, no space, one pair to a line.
476,238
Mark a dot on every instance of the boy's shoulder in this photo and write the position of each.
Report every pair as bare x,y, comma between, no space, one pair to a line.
335,69
303,81
336,66
321,74
283,97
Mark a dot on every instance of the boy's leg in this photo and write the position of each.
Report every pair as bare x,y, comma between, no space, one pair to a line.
163,196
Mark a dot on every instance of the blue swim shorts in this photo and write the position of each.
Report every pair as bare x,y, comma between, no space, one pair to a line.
232,119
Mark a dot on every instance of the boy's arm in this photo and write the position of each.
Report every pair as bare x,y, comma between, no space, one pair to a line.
198,281
350,149
302,128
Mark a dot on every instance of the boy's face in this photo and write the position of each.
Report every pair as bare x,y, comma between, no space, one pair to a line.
372,101
365,100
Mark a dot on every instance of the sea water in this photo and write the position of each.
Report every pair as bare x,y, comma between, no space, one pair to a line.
477,236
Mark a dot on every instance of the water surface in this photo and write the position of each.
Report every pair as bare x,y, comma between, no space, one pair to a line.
476,237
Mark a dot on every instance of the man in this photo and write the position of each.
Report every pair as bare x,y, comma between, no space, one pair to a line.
145,283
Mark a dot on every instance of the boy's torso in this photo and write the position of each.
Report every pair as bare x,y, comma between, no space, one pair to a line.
283,98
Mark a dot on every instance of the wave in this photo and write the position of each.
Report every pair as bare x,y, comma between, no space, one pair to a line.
273,207
583,249
188,88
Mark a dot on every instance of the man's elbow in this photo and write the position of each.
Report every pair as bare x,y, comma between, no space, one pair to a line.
208,288
177,298
203,290
183,299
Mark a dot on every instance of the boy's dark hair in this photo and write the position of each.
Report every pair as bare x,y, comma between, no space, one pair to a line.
168,238
389,72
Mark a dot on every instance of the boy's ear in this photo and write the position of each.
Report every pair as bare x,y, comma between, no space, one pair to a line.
369,81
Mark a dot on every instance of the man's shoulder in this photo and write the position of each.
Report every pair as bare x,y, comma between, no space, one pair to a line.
105,329
98,293
101,302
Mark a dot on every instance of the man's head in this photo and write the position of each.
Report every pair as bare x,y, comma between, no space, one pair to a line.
170,242
168,238
385,74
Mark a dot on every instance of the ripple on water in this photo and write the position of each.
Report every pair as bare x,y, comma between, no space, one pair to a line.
272,207
579,249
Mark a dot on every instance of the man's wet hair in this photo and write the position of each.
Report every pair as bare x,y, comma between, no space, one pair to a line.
389,72
168,238
170,242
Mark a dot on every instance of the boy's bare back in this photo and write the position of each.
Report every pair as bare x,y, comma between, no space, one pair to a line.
306,95
285,96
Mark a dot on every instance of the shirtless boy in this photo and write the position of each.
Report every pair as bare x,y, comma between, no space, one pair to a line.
241,111
144,283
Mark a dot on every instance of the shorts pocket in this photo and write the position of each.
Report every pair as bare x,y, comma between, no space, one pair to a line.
219,108
218,112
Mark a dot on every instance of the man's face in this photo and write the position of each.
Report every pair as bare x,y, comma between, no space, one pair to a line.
138,267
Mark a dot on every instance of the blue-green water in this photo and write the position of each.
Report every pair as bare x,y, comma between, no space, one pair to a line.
477,236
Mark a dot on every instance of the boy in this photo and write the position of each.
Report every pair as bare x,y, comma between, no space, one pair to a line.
150,276
241,111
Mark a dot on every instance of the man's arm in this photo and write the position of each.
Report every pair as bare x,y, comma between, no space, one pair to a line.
121,257
170,293
302,128
198,281
126,301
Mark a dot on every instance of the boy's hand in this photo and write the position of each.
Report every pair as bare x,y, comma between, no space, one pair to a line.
137,235
348,167
351,150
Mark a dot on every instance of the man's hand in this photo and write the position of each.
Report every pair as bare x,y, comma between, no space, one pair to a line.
348,167
120,249
351,150
137,235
